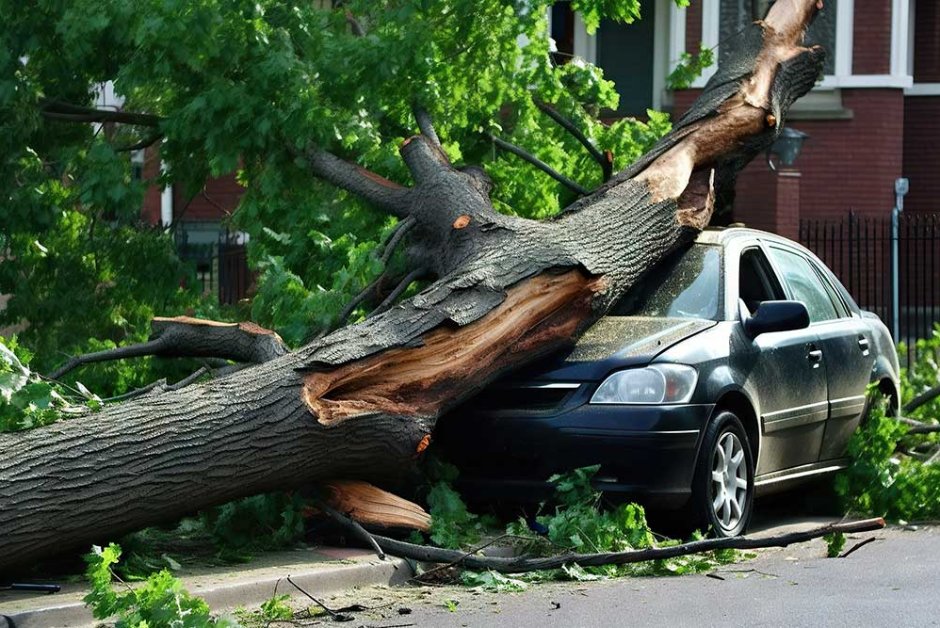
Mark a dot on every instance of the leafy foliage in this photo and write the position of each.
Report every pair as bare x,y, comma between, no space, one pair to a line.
26,401
257,523
881,481
160,601
834,544
579,524
689,68
245,86
923,374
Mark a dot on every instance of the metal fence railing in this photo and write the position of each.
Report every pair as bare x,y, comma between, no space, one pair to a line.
858,250
221,267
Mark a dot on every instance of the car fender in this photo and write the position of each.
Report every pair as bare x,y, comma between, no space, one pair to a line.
725,380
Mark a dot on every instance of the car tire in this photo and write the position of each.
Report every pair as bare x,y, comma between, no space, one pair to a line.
723,485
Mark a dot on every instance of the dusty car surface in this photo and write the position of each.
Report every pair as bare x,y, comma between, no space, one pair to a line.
739,366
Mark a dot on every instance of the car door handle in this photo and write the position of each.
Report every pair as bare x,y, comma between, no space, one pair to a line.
815,357
863,345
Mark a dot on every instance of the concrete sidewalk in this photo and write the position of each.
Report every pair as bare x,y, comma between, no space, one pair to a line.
318,570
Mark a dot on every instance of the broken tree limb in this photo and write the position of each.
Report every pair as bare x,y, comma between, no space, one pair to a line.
519,564
922,399
183,336
361,403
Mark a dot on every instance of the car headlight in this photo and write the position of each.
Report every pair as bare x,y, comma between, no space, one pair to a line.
657,383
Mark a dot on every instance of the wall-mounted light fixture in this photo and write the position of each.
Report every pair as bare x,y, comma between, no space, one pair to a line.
787,147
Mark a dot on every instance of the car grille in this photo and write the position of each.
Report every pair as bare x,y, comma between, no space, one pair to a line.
525,397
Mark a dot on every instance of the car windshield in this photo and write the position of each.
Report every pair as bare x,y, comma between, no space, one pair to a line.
687,284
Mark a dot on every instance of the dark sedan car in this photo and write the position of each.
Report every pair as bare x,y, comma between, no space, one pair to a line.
738,366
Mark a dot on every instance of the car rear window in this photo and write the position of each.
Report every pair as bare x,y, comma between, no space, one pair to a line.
687,284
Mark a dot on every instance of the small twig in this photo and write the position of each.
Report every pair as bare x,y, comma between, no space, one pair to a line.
137,392
470,552
401,229
858,545
541,165
353,526
144,143
118,353
335,615
603,159
354,25
414,275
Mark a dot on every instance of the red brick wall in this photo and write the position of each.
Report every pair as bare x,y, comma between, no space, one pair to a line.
922,152
927,42
871,41
845,164
852,164
218,199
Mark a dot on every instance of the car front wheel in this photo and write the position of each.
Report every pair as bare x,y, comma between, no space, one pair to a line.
723,494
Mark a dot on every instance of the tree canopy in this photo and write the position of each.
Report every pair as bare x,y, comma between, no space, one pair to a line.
253,86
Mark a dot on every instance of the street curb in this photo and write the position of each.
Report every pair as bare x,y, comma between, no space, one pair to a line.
247,591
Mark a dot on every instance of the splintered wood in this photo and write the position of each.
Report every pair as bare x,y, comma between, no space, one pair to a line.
369,505
543,312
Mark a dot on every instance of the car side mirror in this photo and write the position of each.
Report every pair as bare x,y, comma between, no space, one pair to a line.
776,316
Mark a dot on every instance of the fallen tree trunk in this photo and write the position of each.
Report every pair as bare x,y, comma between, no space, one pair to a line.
361,402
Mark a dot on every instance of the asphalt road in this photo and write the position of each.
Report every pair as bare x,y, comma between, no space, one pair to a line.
893,581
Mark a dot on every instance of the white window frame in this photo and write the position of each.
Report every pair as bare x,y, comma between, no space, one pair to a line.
664,54
916,89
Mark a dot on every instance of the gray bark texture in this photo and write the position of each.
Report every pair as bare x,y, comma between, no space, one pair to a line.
360,402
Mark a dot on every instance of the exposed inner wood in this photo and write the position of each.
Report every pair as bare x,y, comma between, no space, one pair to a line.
162,322
541,313
369,505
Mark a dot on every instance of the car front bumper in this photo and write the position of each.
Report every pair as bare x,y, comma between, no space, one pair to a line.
645,452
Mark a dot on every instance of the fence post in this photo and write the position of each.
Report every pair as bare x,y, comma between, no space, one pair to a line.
901,187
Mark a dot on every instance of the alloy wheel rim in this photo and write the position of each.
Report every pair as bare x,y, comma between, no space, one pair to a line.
729,481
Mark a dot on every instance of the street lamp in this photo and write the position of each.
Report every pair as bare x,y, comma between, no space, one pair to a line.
786,147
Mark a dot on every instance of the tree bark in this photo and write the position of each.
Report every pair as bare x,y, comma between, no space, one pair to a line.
361,402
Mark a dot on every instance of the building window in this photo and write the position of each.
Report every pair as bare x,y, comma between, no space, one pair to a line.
735,15
562,32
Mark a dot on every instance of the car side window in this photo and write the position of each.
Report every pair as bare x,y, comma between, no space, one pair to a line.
805,284
756,280
842,310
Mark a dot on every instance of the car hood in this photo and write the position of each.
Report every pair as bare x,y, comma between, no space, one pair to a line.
612,343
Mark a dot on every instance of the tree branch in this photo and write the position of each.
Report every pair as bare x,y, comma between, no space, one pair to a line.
401,229
541,165
922,399
56,110
423,118
144,143
519,564
183,336
604,159
374,188
389,301
424,158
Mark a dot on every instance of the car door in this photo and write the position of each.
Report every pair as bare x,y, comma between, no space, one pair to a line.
845,341
784,371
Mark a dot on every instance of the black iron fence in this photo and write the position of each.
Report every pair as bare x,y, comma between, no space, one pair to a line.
221,267
858,249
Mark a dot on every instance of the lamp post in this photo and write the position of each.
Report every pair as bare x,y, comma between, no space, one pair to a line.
786,147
